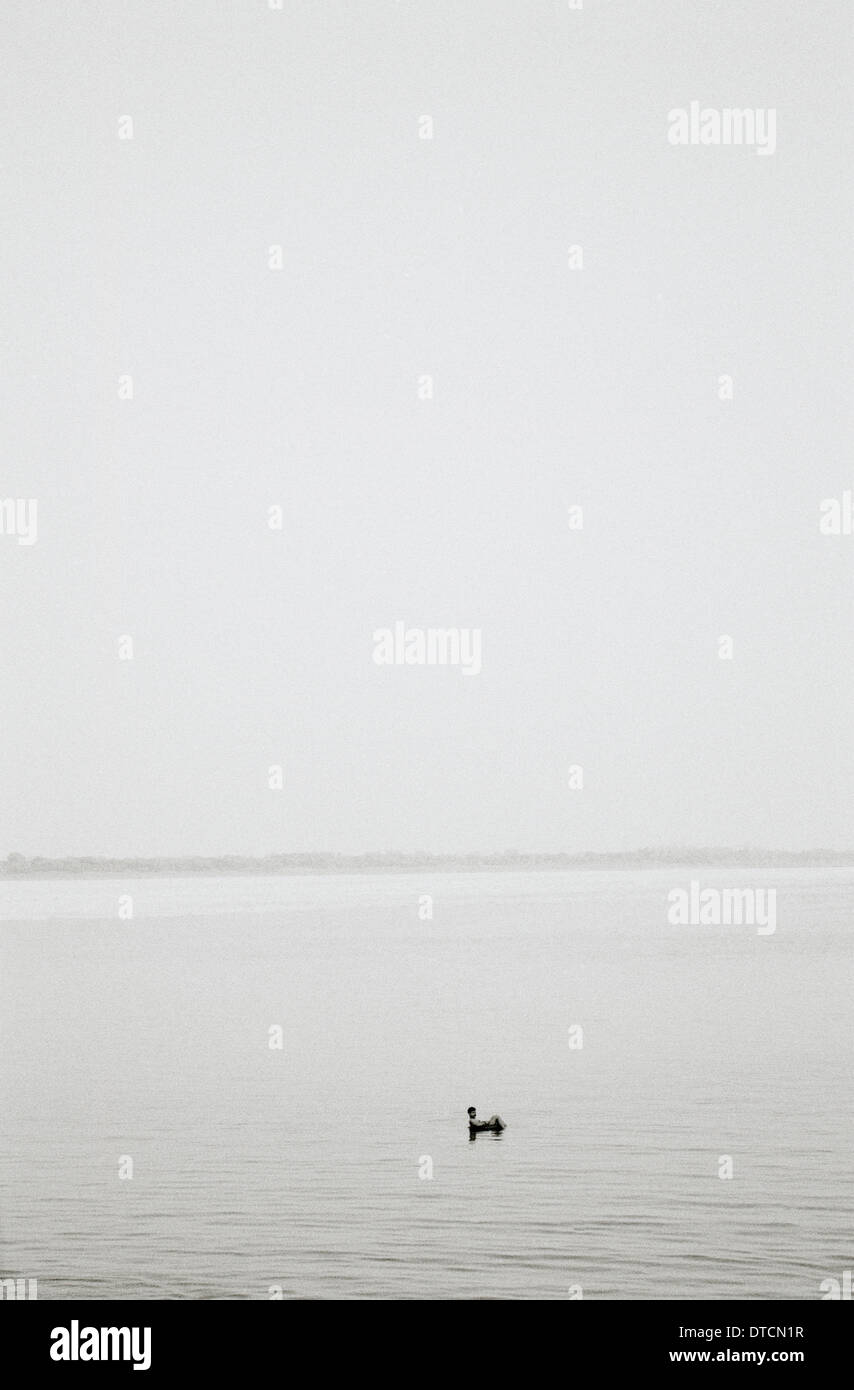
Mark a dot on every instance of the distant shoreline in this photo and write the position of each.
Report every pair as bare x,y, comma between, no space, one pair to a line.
19,867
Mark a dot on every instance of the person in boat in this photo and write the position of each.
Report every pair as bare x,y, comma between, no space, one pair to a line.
476,1126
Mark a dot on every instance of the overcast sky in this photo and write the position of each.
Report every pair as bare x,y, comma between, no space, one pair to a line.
553,386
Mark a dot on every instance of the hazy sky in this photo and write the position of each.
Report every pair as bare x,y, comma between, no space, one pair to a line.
553,386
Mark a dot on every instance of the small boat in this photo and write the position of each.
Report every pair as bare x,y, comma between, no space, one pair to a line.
493,1125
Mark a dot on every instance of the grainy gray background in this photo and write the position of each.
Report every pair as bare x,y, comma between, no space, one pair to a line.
299,387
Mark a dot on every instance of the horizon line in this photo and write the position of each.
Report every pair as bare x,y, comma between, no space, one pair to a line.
17,863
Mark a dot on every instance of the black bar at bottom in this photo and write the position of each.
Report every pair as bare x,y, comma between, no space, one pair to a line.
218,1338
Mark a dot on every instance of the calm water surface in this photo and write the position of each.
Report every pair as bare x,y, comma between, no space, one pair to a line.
298,1167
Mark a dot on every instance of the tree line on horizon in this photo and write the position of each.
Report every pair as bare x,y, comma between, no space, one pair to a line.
20,864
